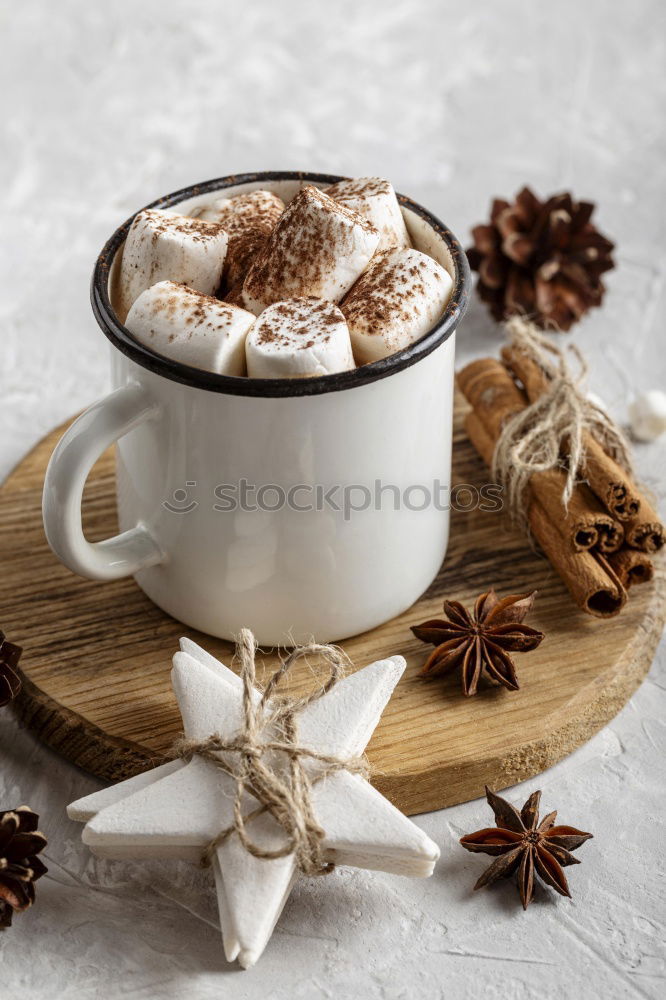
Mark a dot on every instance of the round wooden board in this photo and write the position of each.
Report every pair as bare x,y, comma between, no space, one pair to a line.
97,656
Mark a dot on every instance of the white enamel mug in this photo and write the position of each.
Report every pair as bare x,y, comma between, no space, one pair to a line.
295,507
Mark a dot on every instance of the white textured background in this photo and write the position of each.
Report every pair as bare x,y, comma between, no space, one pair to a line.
106,106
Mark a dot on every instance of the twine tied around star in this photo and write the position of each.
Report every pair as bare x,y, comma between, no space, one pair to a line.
550,432
282,786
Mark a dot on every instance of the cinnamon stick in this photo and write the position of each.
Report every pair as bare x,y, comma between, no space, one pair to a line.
590,579
492,393
610,482
479,437
645,532
587,523
606,478
611,532
593,584
631,566
495,398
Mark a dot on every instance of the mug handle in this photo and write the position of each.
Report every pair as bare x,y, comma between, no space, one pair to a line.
75,454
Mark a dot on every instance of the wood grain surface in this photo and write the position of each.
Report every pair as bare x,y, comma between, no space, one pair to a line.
97,656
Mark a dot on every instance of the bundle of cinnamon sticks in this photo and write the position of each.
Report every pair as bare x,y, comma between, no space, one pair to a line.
601,543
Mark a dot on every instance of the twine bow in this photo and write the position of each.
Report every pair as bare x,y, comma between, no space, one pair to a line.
550,433
282,786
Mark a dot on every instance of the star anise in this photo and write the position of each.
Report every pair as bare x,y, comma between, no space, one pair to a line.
525,846
20,843
10,683
480,640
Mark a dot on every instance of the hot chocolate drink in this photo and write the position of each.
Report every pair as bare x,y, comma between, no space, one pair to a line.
250,286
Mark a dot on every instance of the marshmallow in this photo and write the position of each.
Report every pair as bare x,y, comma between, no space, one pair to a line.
190,327
299,338
374,199
247,219
647,414
165,245
258,210
317,248
399,298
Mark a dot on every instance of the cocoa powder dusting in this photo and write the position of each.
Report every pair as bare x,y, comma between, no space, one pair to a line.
289,323
195,310
393,287
196,229
313,234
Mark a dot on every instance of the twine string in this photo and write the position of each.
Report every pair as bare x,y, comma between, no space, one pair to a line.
285,792
550,432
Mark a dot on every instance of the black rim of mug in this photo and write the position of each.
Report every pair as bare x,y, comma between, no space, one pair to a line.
122,339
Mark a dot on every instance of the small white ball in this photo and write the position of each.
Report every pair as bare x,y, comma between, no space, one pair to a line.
597,401
647,415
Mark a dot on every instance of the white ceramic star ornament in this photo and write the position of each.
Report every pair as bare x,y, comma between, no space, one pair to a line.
177,809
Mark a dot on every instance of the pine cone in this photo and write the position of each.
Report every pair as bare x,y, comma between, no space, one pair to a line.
540,259
10,683
20,843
